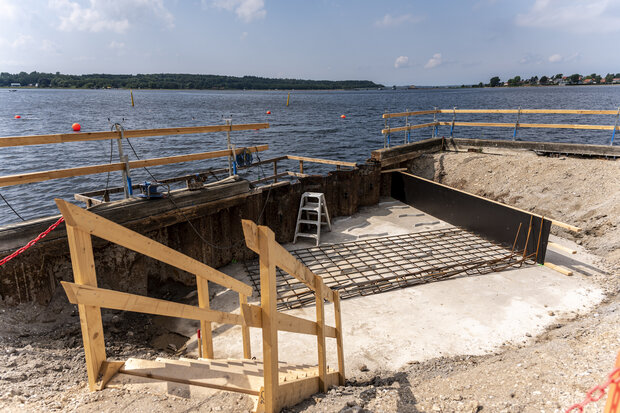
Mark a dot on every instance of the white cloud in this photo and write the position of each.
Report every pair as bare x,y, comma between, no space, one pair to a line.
109,15
19,41
8,11
246,10
434,61
391,21
48,46
116,45
530,58
401,61
557,58
580,16
244,35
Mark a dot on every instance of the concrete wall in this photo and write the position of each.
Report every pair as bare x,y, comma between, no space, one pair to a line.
35,275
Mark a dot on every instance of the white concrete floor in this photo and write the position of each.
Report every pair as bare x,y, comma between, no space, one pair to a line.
464,315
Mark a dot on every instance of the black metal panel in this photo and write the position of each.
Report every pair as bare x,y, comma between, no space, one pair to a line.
491,220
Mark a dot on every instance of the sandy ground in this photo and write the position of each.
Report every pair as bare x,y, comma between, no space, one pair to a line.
547,361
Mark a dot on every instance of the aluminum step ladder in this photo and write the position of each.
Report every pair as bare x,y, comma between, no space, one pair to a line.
312,209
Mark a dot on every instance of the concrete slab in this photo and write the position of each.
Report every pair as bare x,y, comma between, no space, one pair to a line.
466,315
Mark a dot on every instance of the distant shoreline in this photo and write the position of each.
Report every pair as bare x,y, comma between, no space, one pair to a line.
174,81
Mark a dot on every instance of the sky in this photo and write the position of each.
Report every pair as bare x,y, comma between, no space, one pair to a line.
390,42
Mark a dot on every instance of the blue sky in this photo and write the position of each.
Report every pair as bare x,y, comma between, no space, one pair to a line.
390,42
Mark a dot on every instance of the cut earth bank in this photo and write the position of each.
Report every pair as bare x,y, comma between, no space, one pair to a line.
521,340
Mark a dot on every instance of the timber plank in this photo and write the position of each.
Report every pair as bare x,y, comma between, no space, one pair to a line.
427,145
136,133
530,125
556,147
116,300
193,375
18,179
318,160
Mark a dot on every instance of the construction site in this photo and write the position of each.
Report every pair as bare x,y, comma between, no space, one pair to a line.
439,275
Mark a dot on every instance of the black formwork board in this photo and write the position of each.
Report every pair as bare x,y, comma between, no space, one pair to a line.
489,219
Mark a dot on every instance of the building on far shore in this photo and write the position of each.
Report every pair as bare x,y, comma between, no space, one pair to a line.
16,84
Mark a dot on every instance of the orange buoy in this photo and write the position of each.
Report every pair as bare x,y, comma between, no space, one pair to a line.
343,117
269,112
76,127
17,117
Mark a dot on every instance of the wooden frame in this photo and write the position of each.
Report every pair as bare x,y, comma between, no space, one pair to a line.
274,395
261,240
31,177
516,124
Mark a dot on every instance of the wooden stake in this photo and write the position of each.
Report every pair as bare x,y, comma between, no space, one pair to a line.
245,329
202,287
82,260
266,240
339,333
320,333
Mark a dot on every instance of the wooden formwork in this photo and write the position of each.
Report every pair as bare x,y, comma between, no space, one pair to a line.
276,384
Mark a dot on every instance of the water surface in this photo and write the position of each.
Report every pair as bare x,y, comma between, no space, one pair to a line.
310,126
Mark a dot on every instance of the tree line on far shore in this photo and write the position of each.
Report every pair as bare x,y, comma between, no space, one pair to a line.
558,79
173,81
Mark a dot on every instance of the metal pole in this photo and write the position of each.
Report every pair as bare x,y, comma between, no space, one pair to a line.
613,135
453,119
230,161
127,187
408,136
514,135
234,162
386,137
434,135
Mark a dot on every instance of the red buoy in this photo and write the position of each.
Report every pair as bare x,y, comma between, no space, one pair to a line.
269,112
17,117
343,117
76,127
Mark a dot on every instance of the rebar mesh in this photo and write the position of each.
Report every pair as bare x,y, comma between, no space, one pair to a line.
381,264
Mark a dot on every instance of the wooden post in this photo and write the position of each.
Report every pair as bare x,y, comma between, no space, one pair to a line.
275,171
301,166
202,287
340,349
83,263
320,330
245,330
269,314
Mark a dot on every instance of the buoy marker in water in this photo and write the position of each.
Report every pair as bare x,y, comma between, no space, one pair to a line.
343,117
18,117
76,127
269,112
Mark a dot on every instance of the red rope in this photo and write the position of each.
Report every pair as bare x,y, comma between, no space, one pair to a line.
31,243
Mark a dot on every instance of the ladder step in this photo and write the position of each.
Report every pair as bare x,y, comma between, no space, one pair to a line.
303,234
311,222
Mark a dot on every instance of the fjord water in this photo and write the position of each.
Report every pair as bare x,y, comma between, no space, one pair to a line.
310,126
